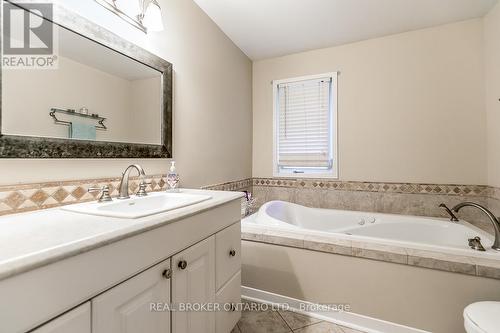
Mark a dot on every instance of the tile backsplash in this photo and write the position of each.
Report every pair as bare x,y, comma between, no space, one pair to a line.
408,188
238,185
393,198
28,197
396,198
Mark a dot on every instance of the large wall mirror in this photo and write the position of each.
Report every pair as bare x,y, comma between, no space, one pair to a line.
106,98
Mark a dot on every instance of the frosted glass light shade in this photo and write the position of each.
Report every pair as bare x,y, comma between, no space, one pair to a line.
129,7
152,17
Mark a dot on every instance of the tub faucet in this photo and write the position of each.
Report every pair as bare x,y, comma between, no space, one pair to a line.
453,218
123,194
249,203
493,219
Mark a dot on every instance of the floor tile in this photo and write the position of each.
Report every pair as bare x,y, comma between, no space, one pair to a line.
322,327
349,330
262,322
296,320
254,321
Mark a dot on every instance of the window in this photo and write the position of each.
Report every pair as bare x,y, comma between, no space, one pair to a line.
305,126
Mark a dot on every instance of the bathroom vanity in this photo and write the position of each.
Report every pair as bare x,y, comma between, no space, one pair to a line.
63,271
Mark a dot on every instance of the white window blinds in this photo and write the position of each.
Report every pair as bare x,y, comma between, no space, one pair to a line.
304,138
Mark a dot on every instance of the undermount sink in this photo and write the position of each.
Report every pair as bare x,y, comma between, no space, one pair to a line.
136,207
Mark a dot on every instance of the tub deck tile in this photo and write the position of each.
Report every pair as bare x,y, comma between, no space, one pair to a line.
286,238
441,261
487,268
442,265
488,272
397,258
337,244
380,252
329,244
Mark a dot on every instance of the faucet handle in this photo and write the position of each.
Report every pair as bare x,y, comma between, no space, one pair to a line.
453,217
142,188
103,193
475,244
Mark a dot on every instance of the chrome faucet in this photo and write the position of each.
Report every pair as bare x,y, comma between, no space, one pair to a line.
453,218
493,219
103,193
123,194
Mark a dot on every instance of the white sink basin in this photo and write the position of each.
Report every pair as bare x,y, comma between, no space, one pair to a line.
136,207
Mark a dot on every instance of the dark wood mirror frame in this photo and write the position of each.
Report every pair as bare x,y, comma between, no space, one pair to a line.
12,146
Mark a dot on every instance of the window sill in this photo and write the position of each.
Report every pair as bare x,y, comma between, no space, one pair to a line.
306,175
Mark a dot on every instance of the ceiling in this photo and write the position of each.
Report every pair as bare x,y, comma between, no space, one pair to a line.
87,52
270,28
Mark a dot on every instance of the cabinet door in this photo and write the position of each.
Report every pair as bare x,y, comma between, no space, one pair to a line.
136,305
227,253
193,283
229,296
74,321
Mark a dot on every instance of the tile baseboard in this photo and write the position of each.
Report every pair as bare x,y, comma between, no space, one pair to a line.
351,320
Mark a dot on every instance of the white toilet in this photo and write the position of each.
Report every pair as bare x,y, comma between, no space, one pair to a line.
482,317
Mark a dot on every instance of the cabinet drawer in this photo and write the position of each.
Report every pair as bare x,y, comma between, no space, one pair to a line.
227,317
228,253
75,321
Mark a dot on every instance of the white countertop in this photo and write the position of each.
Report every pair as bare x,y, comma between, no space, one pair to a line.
34,239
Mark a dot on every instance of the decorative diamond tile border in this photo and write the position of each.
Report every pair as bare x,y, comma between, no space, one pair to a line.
408,188
29,197
238,185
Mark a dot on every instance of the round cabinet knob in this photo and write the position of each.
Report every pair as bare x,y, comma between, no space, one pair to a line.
182,264
167,274
371,220
232,253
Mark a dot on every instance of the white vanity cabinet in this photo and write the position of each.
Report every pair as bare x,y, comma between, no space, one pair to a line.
129,285
228,252
133,305
77,320
208,273
193,284
228,296
200,306
228,277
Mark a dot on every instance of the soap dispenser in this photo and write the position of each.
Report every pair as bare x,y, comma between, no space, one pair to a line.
173,178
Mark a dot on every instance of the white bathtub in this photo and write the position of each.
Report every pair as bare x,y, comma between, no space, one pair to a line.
420,232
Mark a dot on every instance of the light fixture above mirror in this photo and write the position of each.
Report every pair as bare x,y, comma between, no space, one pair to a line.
145,15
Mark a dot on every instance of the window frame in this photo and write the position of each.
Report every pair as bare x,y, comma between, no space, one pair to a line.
333,172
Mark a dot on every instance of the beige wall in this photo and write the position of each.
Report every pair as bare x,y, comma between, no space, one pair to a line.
212,102
411,106
146,101
492,73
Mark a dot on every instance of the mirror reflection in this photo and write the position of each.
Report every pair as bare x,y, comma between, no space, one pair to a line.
94,94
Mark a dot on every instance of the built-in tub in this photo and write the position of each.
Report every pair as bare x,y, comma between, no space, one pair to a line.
406,273
413,231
